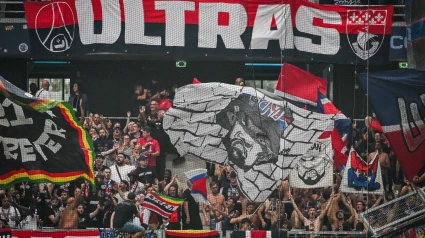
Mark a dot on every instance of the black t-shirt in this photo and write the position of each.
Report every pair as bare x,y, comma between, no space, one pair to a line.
193,205
147,174
49,211
161,136
124,212
102,145
137,103
83,220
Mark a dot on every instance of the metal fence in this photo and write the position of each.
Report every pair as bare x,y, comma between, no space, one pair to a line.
325,234
396,214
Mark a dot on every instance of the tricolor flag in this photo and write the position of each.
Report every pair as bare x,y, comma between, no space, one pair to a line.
161,204
192,233
324,105
398,99
362,176
42,140
341,131
198,178
299,85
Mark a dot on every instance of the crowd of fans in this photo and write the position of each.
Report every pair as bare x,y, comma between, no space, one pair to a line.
130,162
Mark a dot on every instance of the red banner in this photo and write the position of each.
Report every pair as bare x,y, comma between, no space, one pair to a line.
56,234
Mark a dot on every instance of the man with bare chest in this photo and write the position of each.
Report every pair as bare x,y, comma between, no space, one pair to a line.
216,207
384,161
69,217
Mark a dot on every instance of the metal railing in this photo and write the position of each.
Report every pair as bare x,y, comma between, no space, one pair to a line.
396,214
324,234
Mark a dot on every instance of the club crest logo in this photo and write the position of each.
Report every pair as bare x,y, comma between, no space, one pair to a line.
369,26
60,36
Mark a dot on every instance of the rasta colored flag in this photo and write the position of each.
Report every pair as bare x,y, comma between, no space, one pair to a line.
161,204
192,233
41,140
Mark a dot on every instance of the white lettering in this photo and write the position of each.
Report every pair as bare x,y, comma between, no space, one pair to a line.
174,20
111,21
329,37
3,121
44,140
209,26
413,133
135,24
11,145
261,33
20,117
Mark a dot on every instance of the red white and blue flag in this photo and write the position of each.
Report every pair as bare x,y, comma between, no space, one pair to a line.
398,99
362,176
341,131
298,85
198,178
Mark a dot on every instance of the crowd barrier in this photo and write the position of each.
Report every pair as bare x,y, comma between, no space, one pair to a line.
108,233
393,216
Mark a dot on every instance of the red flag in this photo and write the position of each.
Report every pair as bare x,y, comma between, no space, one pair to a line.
374,124
299,85
195,81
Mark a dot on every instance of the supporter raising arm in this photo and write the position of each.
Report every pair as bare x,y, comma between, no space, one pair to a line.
312,222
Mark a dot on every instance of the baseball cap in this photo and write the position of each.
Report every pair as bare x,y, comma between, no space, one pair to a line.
100,156
142,157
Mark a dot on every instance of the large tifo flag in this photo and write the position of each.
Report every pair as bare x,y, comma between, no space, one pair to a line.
198,178
314,169
398,99
257,133
161,204
42,140
362,176
192,233
299,85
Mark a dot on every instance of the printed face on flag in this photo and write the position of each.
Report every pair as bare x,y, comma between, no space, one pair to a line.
257,133
251,136
314,168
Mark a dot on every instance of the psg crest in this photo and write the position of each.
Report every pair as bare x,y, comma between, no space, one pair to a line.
52,29
369,26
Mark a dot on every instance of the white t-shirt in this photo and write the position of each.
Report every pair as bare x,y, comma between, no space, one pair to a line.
42,93
123,170
7,213
120,199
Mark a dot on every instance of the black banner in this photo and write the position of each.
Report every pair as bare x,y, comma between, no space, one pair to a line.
41,140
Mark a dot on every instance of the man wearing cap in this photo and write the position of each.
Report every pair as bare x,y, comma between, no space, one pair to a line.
147,174
98,164
150,146
120,170
135,186
123,215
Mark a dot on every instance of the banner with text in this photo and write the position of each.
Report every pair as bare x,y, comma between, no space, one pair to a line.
41,140
231,28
